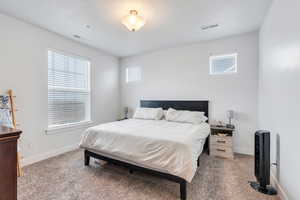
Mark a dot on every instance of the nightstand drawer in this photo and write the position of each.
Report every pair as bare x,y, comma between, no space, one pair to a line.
219,140
221,151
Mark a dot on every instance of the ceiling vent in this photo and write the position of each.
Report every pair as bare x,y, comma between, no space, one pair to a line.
210,26
77,36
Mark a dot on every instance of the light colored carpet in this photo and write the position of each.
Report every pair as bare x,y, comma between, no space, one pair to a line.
66,178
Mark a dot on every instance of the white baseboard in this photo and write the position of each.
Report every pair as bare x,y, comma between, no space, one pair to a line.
43,156
242,150
281,193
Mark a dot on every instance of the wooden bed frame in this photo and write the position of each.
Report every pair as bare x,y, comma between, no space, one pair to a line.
202,106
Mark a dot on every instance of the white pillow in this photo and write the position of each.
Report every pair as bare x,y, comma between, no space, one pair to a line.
148,113
193,117
164,114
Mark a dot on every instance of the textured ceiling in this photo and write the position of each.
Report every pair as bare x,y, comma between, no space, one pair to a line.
169,22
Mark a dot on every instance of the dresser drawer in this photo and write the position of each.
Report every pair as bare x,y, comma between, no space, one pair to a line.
221,151
220,140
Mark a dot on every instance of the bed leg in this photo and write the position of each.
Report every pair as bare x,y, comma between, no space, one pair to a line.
207,145
86,158
183,190
198,162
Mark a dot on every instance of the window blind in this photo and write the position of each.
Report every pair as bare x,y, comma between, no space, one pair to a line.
223,64
133,74
68,89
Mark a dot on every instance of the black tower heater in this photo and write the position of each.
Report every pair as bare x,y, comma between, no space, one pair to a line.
262,163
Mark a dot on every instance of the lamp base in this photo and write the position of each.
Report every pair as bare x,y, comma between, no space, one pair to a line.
265,190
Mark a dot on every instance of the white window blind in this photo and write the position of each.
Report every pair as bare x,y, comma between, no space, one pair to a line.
133,74
223,64
68,89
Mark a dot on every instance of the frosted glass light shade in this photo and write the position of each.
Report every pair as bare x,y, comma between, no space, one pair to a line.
133,22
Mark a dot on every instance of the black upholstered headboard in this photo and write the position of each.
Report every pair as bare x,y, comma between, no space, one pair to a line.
201,106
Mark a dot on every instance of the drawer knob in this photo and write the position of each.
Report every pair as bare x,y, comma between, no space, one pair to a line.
222,150
221,141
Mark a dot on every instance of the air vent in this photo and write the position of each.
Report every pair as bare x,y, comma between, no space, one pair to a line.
209,26
77,36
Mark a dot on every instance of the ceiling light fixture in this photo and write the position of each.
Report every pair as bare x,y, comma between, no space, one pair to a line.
133,22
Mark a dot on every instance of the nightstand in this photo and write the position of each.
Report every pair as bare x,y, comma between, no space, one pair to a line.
221,144
122,119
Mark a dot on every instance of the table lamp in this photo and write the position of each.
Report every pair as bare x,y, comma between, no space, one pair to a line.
230,115
126,110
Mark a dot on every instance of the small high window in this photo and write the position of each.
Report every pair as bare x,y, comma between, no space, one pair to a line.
223,64
133,74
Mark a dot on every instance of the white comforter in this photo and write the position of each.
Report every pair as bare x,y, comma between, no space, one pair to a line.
168,147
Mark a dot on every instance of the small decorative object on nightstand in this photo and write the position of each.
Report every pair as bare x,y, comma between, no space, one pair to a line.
221,141
230,115
126,110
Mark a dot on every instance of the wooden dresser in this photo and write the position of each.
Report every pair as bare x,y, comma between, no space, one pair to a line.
8,163
221,144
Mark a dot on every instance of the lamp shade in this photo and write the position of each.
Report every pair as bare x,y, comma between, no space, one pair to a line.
133,22
230,114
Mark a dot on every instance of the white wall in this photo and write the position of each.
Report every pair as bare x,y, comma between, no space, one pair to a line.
23,68
279,96
183,74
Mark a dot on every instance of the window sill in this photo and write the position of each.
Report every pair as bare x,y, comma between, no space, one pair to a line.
222,73
68,127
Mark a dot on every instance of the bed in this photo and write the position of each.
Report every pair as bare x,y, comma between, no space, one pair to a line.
170,150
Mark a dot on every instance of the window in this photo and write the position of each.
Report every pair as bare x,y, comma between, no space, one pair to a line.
224,64
68,90
133,74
